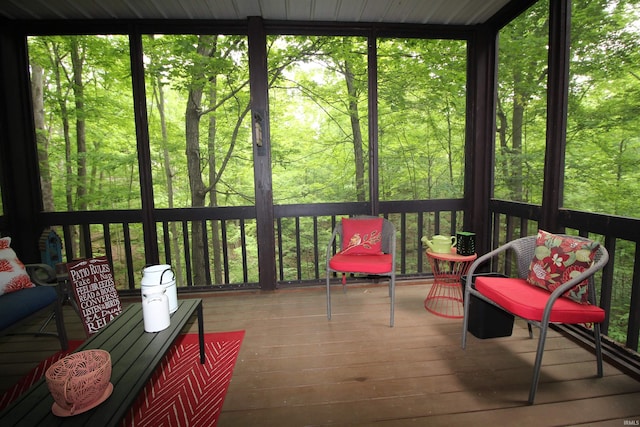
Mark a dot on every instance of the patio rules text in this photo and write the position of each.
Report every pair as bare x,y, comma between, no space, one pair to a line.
95,292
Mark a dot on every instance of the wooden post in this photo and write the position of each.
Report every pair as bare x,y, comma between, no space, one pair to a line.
480,135
20,172
557,107
258,79
152,255
374,171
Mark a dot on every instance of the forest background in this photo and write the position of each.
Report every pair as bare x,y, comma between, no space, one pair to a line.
197,94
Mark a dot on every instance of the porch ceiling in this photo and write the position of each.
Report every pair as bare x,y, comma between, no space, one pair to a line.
447,12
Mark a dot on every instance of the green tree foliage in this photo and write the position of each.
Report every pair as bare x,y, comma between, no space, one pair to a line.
319,119
521,106
603,138
205,83
422,102
86,132
602,132
201,100
88,127
603,127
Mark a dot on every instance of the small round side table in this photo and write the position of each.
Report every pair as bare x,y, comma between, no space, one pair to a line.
445,296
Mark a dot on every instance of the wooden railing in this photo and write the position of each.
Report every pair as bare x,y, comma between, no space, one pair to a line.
229,241
302,233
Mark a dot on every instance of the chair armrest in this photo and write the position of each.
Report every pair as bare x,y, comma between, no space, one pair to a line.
42,274
484,258
393,248
330,245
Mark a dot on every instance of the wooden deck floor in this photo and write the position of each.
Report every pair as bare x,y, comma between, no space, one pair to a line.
296,368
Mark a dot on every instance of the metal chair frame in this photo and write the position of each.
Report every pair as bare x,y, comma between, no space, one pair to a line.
524,250
388,247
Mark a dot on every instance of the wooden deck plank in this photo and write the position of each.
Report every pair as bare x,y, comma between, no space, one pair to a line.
295,367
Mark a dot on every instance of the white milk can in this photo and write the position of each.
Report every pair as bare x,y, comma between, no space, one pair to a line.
160,276
155,311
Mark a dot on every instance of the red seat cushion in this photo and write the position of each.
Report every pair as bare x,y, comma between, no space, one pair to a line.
371,264
528,301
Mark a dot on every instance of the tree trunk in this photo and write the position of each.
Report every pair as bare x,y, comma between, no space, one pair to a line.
502,141
61,97
175,241
81,143
213,194
619,162
354,116
517,120
449,143
37,85
192,134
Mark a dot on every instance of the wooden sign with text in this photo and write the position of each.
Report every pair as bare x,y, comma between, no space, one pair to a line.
95,292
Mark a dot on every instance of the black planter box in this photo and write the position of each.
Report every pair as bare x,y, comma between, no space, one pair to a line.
487,320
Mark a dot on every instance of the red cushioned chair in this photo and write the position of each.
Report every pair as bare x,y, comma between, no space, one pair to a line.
367,245
538,306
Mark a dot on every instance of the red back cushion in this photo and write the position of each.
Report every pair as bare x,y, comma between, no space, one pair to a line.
362,236
557,259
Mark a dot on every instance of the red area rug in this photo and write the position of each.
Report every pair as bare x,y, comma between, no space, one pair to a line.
34,375
181,391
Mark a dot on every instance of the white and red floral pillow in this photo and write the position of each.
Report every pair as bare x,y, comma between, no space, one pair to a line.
13,275
557,259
